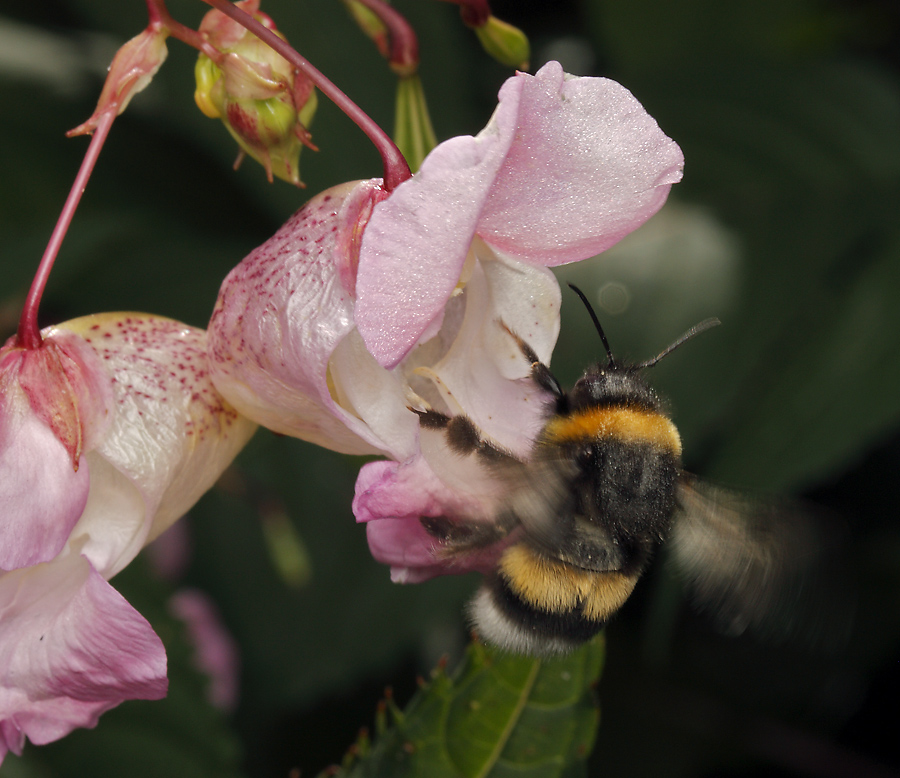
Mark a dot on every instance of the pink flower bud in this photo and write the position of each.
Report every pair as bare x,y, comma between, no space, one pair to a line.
131,71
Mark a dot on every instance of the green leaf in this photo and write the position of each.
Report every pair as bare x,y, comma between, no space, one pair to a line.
497,715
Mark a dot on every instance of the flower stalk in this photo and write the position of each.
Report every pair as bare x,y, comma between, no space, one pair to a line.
397,42
29,334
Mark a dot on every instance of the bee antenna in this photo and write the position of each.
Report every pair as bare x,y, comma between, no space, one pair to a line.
590,309
704,325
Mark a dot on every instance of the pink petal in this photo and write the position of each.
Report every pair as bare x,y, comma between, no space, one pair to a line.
41,494
406,547
71,648
564,169
281,314
587,166
417,240
383,490
392,497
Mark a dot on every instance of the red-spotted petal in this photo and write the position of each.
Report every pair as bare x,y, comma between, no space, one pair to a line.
281,315
171,437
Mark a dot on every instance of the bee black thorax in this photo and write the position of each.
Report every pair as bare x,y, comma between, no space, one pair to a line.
626,454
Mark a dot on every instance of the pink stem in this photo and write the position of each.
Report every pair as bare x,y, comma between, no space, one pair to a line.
396,171
404,43
29,334
159,14
474,13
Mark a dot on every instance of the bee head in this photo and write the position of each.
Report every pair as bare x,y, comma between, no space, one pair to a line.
614,384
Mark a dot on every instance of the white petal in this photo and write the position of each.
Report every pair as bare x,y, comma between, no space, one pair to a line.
484,374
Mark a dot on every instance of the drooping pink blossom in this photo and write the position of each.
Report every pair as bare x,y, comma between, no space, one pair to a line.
365,305
109,432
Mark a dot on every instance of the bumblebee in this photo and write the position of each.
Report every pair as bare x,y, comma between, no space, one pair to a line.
582,515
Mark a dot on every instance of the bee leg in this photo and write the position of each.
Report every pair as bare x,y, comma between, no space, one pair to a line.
540,373
463,436
460,536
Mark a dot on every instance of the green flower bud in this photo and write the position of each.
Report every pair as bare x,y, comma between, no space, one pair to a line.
505,43
261,100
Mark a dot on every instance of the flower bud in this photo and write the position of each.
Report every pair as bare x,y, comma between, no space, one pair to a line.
263,101
131,71
505,43
373,27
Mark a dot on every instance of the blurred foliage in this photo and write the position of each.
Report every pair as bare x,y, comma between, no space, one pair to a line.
785,227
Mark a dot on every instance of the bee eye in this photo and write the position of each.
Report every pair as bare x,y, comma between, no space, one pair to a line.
593,382
590,388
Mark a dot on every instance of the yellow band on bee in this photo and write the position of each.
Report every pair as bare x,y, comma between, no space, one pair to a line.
631,425
552,586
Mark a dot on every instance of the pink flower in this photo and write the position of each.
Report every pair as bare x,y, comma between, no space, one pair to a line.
566,168
215,650
365,304
109,432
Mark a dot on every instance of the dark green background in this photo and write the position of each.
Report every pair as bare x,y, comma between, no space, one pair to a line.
789,117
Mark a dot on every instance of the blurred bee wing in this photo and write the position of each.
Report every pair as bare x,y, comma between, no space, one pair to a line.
758,564
543,506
